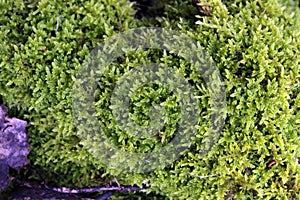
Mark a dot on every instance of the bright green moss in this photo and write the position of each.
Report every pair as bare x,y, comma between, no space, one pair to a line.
255,45
43,44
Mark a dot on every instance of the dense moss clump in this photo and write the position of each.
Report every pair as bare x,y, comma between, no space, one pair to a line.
255,45
43,44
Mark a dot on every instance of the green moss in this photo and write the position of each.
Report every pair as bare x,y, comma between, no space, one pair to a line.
43,44
255,45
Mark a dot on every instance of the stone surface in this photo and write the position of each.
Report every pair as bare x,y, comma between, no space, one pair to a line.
14,147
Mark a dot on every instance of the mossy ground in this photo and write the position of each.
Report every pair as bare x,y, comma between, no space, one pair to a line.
256,45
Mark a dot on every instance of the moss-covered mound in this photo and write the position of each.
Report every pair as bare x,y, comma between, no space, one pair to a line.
43,44
256,47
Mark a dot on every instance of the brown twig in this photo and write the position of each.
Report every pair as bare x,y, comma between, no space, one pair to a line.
78,190
93,189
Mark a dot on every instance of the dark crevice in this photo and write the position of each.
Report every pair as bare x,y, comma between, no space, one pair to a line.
148,8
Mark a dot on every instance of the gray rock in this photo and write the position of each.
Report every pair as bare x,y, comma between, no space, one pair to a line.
14,147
